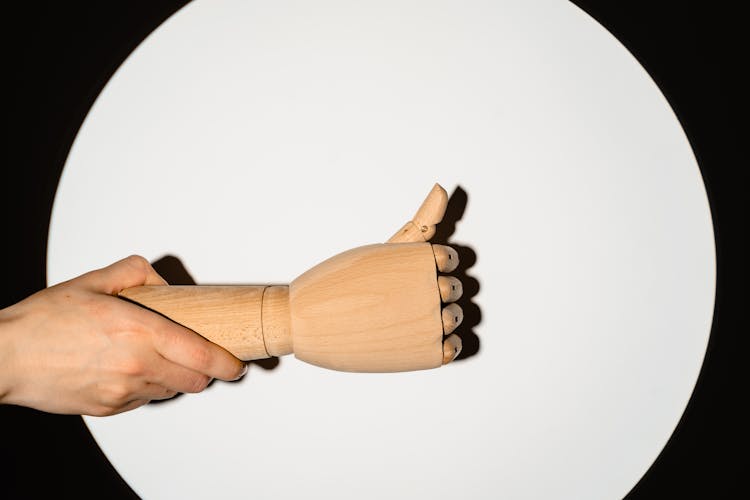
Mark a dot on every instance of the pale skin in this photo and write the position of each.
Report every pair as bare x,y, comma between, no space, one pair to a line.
76,348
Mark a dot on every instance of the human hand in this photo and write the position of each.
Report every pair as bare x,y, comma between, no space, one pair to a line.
76,348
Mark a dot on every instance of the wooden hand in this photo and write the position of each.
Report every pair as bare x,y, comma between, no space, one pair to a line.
377,308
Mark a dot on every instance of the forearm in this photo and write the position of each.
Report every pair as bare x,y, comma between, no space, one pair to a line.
251,322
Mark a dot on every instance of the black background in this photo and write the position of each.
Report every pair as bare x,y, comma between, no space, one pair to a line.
57,56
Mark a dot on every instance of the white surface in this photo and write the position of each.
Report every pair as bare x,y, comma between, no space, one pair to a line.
239,132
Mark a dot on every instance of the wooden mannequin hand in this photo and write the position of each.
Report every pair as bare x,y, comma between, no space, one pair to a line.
422,228
376,308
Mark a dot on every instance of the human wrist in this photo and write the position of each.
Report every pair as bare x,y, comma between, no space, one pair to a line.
8,373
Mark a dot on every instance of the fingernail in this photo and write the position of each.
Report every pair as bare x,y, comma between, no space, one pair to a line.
243,372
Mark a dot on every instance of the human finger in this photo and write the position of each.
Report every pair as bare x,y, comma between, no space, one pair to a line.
177,378
189,350
130,405
156,392
128,272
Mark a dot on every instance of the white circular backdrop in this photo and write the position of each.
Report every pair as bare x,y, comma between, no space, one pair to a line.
254,139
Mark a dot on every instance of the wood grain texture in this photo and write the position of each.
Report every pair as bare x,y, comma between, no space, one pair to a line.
422,226
370,309
230,316
375,308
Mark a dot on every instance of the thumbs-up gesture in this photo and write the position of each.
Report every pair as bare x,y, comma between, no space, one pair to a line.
385,307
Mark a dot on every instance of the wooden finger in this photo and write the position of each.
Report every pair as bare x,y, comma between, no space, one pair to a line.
446,258
452,316
422,225
450,288
451,348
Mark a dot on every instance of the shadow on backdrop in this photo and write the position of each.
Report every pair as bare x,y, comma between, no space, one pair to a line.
467,257
174,272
